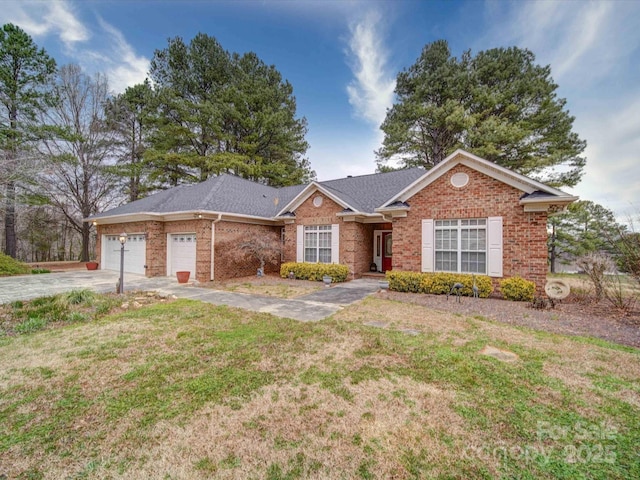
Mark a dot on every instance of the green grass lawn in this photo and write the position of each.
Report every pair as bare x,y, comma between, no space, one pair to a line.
189,390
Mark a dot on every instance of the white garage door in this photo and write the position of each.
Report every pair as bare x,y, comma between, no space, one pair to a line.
182,253
135,253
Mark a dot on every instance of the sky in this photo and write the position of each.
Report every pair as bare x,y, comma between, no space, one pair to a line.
342,58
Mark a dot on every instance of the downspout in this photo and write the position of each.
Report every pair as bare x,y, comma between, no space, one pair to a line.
213,238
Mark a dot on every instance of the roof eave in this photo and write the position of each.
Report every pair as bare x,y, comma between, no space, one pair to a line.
548,204
360,217
394,212
183,215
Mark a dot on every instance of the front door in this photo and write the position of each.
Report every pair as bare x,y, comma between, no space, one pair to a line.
387,251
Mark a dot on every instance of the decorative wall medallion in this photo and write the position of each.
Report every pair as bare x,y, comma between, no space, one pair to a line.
317,201
459,179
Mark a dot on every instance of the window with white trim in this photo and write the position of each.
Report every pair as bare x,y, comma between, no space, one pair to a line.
461,245
317,244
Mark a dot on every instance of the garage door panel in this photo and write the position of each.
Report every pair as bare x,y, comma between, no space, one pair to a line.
182,253
135,253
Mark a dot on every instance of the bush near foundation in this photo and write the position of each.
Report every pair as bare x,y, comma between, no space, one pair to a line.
518,289
438,283
315,271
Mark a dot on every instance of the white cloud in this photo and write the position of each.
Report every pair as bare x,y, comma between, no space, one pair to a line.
612,174
371,91
583,42
593,49
101,48
44,18
124,68
63,21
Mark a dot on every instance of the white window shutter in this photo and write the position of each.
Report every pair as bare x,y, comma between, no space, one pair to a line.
300,243
427,245
335,243
494,246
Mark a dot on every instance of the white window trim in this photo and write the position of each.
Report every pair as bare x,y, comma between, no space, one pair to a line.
335,243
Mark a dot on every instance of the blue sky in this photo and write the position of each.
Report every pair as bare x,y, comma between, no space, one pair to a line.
342,58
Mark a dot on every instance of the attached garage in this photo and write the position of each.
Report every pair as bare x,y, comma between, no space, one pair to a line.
181,253
135,253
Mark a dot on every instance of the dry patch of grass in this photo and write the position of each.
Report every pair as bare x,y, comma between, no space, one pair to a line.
189,390
271,286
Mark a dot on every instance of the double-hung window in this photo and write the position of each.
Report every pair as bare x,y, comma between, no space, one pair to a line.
461,245
317,244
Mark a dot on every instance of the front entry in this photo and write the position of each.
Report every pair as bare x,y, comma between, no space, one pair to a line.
382,250
387,251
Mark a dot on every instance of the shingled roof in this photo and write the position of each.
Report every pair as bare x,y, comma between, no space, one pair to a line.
234,195
368,192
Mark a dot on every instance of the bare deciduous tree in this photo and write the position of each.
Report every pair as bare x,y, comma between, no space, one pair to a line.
266,248
79,150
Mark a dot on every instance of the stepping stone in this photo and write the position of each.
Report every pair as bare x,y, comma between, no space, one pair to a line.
376,324
502,355
410,331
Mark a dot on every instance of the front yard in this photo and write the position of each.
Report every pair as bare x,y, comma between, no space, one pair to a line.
382,390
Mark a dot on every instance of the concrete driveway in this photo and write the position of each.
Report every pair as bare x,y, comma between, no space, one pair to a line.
312,307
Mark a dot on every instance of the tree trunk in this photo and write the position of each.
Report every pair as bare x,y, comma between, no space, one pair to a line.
552,250
10,220
86,238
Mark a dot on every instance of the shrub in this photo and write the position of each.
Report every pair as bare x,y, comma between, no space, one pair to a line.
10,266
77,297
30,325
596,265
518,289
36,271
438,283
315,271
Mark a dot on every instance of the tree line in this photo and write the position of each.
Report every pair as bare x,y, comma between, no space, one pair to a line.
70,148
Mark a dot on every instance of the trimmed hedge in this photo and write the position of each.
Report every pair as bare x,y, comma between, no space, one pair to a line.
315,271
518,289
438,283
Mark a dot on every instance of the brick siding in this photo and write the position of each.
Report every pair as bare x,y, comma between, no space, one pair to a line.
229,260
524,234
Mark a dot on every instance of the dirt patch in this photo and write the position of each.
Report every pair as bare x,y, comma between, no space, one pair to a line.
268,285
59,266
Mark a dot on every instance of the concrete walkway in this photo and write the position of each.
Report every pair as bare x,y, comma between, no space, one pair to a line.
312,307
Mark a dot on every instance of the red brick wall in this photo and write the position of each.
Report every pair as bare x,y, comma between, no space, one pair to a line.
229,260
309,214
356,239
202,229
524,234
154,249
358,246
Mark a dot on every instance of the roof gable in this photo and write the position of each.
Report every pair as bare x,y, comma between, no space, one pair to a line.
460,157
363,193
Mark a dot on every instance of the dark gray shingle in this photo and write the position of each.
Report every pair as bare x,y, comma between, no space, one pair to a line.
231,194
